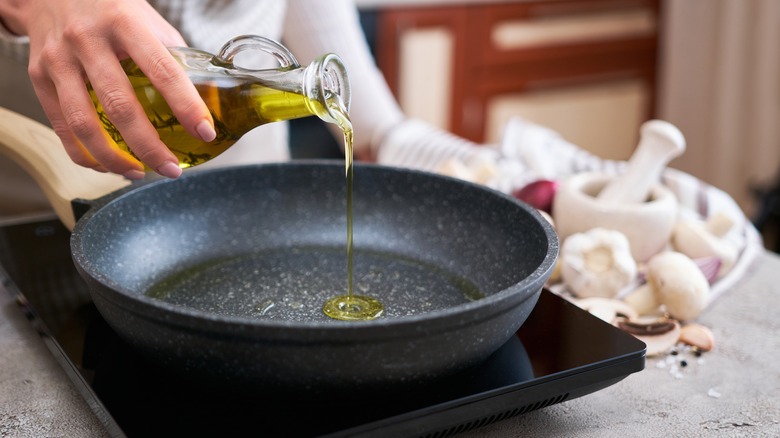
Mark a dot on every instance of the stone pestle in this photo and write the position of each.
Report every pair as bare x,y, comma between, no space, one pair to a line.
659,143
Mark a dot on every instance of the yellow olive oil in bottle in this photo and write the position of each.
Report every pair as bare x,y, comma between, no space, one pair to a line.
239,99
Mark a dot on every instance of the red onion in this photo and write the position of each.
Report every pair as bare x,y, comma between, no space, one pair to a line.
538,194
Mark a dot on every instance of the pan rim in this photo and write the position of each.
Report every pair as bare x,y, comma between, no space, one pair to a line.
199,320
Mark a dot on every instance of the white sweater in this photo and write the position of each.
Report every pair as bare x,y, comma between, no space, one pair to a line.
308,28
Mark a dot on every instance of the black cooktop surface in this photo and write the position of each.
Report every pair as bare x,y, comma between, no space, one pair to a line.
560,353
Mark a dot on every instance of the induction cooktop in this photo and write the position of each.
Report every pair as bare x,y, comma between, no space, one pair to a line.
560,353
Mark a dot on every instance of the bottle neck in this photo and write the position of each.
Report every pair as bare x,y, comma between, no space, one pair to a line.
321,89
324,83
327,89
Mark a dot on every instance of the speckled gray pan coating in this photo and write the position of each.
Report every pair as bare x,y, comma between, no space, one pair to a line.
221,274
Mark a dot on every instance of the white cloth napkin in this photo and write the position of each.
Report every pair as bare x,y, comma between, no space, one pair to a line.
529,152
548,156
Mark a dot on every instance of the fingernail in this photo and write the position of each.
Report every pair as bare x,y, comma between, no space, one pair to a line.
169,169
206,131
134,174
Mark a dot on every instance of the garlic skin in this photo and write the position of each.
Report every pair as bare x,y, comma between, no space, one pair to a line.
643,300
597,263
698,239
479,170
456,169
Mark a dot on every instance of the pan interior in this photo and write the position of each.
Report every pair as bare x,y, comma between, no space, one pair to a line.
269,242
292,284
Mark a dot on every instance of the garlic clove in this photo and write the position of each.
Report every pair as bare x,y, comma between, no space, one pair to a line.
547,217
456,169
694,239
697,335
555,277
719,224
483,170
643,300
606,314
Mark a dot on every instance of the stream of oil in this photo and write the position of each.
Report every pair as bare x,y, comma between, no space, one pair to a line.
237,106
350,307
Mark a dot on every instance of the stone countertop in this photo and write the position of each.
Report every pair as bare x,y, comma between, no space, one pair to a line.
732,391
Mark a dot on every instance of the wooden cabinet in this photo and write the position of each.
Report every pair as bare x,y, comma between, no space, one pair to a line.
586,68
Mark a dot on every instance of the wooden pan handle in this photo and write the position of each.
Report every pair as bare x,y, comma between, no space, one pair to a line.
38,150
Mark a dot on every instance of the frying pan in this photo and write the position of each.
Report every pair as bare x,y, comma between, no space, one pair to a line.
220,275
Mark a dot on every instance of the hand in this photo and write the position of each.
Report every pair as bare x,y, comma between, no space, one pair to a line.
72,41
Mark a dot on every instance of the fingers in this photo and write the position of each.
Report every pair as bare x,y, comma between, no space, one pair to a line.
76,47
59,84
170,80
47,95
120,104
68,117
167,76
118,99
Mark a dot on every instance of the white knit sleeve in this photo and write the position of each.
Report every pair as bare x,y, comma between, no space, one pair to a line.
207,25
382,132
315,27
14,46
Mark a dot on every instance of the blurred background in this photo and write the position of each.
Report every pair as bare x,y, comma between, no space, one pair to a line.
594,70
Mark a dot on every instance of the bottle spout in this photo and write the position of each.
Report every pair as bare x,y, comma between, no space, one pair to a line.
326,83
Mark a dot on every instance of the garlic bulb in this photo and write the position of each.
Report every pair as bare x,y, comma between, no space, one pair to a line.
597,263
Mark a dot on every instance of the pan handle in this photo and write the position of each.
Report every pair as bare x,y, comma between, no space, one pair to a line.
38,150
